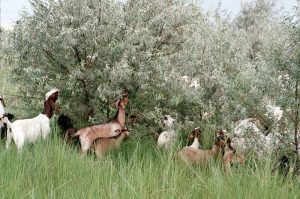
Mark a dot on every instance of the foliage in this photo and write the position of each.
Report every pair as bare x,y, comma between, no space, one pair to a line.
94,50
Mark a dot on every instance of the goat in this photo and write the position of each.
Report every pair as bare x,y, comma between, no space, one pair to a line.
29,130
168,137
168,121
194,138
193,156
230,156
87,135
4,129
65,123
102,145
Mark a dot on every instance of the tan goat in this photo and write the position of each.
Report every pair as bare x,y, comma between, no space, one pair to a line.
88,134
193,156
102,145
231,156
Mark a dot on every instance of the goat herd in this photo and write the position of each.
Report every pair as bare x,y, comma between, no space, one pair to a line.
103,137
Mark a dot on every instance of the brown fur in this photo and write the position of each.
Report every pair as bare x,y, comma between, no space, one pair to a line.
68,137
50,105
192,156
88,134
102,145
231,156
196,133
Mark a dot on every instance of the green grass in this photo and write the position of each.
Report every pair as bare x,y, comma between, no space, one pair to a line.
53,169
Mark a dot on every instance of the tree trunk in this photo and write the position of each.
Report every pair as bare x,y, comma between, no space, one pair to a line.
107,109
296,121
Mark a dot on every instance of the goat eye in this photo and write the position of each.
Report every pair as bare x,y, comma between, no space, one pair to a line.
165,118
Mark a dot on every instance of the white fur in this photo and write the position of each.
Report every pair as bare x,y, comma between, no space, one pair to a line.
167,138
168,121
28,130
196,143
2,112
50,93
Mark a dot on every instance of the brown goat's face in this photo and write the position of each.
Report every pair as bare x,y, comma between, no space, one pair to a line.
53,97
220,140
196,133
121,102
124,100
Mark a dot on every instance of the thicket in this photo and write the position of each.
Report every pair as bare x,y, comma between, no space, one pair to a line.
93,50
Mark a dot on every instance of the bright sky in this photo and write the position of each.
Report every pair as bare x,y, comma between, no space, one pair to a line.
10,9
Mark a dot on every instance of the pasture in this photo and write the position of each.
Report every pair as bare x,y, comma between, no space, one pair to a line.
53,169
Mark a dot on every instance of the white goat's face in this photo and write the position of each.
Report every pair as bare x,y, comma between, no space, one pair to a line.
4,119
168,121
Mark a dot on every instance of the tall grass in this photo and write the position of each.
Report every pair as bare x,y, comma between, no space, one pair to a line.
138,169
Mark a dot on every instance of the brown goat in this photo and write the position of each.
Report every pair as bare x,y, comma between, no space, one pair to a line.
194,137
193,156
88,134
231,156
102,145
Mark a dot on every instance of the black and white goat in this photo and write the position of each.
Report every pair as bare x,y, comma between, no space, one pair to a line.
29,130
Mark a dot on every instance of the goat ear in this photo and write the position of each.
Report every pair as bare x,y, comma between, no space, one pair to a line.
228,141
125,93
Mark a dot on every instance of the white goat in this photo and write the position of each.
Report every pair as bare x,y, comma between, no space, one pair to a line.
29,130
168,137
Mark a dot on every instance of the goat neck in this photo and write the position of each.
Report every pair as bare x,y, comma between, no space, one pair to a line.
216,150
196,143
6,120
120,116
